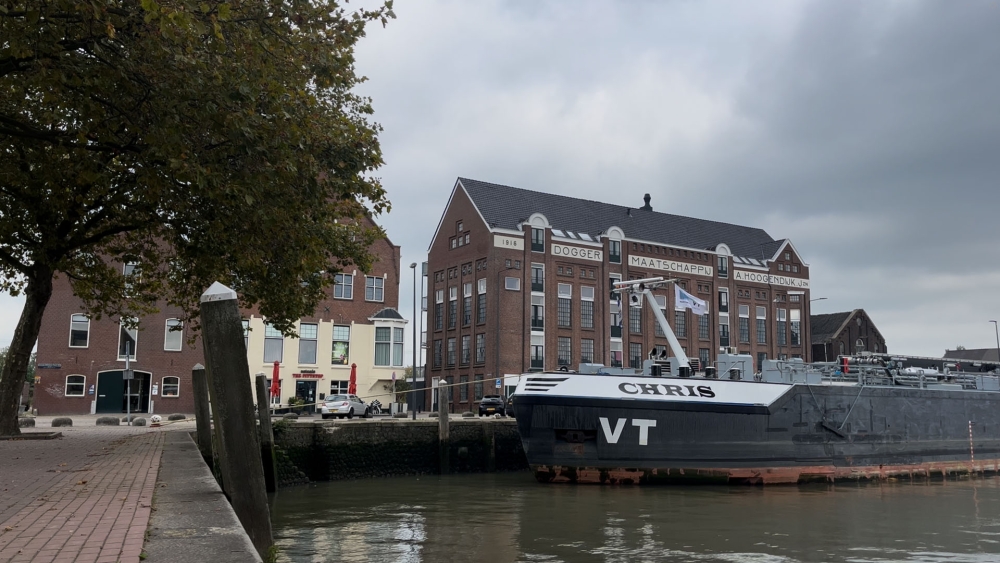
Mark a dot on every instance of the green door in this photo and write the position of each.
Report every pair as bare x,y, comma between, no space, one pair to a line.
110,392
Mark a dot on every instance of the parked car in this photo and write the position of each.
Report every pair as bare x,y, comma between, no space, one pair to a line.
344,405
492,404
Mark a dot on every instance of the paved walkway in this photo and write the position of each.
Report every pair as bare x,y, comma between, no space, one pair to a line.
83,498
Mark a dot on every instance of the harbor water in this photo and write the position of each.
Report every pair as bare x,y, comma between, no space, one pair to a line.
511,518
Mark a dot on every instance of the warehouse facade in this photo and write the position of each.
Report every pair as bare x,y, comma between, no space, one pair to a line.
521,281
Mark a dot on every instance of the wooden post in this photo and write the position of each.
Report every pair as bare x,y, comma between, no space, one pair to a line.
202,412
444,437
232,403
491,446
219,465
267,458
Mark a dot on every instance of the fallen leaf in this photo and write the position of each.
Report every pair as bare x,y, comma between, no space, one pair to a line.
84,482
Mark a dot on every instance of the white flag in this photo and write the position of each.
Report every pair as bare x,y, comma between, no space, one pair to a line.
684,300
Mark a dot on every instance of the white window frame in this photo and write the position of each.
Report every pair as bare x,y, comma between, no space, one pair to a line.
71,321
467,290
83,386
482,285
314,339
163,387
281,356
452,294
348,285
512,284
135,340
744,311
564,290
398,337
377,287
167,333
439,296
587,293
334,340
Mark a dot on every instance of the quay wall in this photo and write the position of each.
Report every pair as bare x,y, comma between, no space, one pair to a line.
331,450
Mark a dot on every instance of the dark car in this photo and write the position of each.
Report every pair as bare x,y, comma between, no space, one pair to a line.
492,404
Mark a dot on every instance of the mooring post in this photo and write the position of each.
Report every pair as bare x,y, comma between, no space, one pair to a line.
491,445
266,436
202,419
444,438
232,404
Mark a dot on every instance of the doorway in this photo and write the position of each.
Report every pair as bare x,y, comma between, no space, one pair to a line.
306,390
112,392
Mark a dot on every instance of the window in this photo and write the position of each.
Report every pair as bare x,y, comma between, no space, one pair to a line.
459,228
170,387
586,314
680,324
466,238
761,325
480,348
537,277
451,351
173,335
437,353
723,330
587,351
481,310
463,388
467,310
703,357
615,251
703,326
795,298
336,387
452,312
537,240
128,271
478,387
341,355
564,351
246,333
343,286
723,266
616,354
795,269
796,327
127,340
75,385
466,349
723,301
513,284
781,267
782,327
563,312
383,345
616,321
635,320
537,312
373,288
661,302
565,290
273,344
438,316
635,355
79,331
788,256
537,356
744,323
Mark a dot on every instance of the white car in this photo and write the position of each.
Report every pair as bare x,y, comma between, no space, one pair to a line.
344,405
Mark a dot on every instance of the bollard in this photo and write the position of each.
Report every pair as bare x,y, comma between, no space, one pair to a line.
202,418
232,405
268,461
444,437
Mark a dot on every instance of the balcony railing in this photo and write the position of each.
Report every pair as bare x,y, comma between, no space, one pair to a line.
616,331
538,286
537,324
537,364
537,246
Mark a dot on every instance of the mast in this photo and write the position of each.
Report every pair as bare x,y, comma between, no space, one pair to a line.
644,287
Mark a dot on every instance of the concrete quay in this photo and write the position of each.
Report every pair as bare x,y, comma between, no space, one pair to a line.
92,495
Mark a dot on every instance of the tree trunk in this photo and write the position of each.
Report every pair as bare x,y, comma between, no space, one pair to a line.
37,294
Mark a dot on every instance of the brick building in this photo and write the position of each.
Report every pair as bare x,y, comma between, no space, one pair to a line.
837,334
521,281
80,360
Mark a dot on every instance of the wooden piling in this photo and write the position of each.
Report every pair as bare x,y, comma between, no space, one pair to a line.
267,458
444,436
202,416
232,404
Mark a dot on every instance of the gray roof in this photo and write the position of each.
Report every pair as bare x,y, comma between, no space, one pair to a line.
825,327
388,313
506,207
974,354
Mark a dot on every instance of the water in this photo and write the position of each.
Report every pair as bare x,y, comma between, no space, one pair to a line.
510,517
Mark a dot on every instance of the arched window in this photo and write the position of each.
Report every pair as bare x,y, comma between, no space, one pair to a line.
171,387
75,385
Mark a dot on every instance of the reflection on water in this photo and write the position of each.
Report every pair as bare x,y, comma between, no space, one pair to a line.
509,517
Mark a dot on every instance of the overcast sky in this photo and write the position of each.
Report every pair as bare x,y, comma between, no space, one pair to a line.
867,133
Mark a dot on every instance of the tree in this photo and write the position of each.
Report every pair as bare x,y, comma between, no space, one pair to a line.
199,140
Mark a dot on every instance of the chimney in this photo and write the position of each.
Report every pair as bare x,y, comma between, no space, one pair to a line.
646,207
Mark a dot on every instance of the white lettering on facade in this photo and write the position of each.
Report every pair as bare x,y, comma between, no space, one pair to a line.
761,277
577,252
512,243
670,266
612,437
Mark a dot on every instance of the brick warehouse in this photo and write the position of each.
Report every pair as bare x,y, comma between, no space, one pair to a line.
520,281
80,360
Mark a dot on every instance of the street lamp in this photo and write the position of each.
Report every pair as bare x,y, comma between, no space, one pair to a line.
413,370
998,340
817,299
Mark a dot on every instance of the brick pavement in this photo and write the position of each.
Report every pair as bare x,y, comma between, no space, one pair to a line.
83,498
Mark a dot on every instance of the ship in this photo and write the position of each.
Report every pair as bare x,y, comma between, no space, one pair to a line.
862,417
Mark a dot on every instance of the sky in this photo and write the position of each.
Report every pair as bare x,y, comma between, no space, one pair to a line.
867,133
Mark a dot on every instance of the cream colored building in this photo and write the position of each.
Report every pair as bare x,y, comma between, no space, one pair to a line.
318,362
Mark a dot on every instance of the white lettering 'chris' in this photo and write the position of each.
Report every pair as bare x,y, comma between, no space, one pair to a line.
644,426
612,437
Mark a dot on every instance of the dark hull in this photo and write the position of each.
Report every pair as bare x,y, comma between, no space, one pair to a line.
814,432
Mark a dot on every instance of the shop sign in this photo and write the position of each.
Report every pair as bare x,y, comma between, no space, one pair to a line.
564,251
670,266
761,277
307,375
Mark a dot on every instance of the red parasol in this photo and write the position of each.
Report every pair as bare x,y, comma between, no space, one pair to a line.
275,386
352,386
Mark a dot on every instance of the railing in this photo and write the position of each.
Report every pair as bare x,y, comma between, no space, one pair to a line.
537,364
538,286
537,323
616,331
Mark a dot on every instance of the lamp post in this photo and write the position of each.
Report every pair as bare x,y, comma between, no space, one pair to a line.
817,299
413,369
995,330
